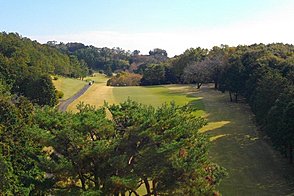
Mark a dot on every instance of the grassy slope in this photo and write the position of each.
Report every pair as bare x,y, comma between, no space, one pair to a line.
254,167
69,86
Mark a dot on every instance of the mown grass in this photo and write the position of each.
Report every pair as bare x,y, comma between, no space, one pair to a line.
253,167
151,95
158,95
97,78
69,86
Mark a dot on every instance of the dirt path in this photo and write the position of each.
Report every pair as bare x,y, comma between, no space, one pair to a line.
64,104
254,167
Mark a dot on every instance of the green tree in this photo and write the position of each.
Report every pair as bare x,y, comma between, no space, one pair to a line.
190,56
216,62
20,154
289,128
154,74
159,148
269,88
164,149
233,78
41,91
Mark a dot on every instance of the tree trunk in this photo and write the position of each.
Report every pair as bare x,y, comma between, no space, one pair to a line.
236,97
198,85
83,181
215,85
230,93
147,185
154,187
97,181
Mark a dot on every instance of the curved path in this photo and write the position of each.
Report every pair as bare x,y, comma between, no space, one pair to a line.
64,104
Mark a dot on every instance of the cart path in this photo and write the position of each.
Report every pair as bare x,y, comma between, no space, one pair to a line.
64,104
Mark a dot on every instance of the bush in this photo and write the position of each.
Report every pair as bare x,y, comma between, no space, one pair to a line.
59,94
125,79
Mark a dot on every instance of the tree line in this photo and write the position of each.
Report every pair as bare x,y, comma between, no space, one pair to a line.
26,66
261,74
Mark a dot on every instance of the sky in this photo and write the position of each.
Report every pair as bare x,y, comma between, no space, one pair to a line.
173,25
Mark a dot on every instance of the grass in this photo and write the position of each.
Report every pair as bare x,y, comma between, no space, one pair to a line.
253,167
97,78
153,95
69,86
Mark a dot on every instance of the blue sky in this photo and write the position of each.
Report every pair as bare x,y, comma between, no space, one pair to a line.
174,25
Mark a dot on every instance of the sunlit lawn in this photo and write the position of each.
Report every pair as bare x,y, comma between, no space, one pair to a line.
69,86
97,78
254,168
151,95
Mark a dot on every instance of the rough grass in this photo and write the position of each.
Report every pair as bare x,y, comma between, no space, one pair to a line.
254,168
69,86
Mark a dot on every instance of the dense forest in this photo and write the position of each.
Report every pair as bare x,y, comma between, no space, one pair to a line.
44,151
26,67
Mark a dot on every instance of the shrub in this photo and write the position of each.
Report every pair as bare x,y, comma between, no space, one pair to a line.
59,94
125,79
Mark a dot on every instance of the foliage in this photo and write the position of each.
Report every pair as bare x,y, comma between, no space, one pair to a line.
164,147
153,74
140,145
196,73
59,94
41,91
124,79
263,75
97,58
192,55
23,64
20,168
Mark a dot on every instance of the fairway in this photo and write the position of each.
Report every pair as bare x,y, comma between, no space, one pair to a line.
253,167
151,95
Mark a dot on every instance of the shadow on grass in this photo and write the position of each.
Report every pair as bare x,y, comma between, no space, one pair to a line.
253,166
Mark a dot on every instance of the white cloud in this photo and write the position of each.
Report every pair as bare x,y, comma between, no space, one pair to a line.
272,26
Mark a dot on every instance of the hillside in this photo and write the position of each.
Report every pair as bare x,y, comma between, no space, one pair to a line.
25,66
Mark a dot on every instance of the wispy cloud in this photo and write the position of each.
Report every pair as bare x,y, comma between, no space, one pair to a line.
273,26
